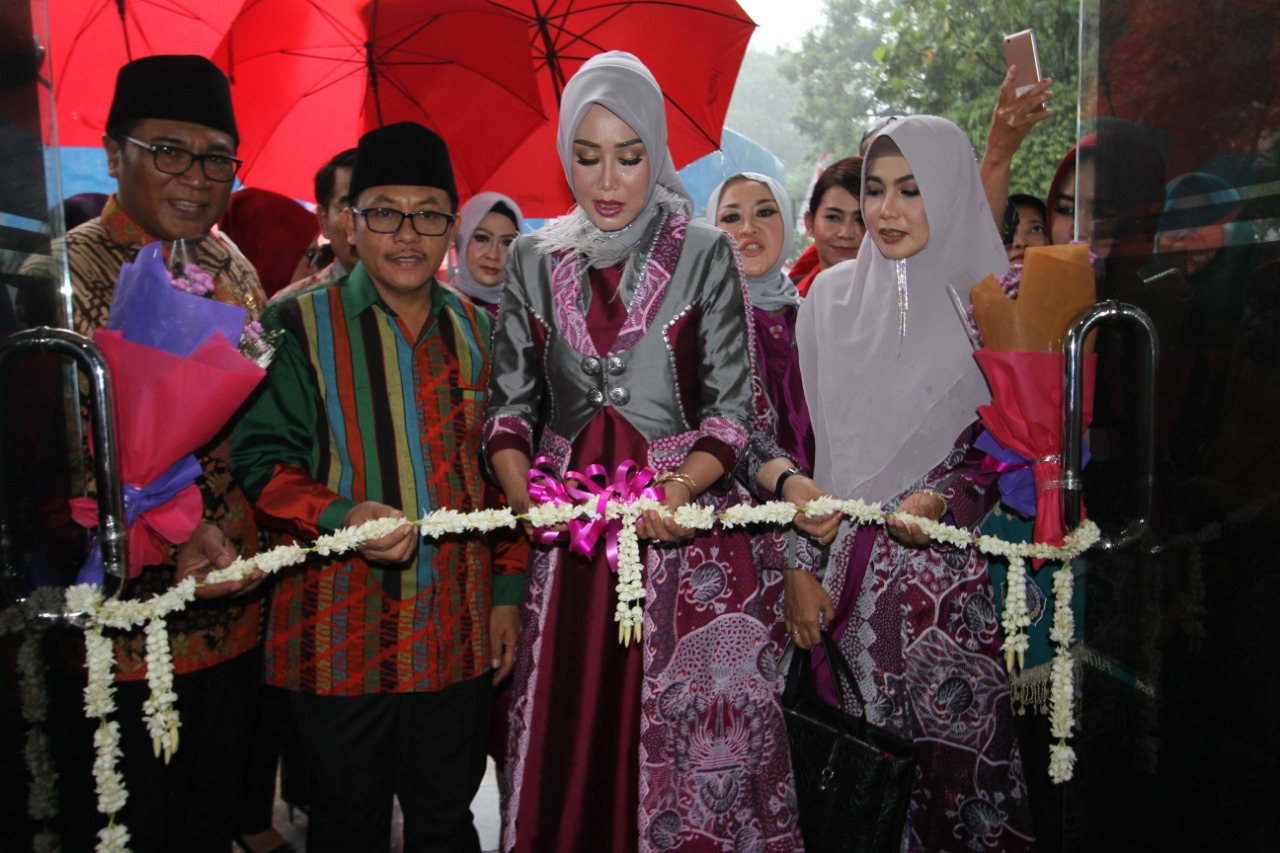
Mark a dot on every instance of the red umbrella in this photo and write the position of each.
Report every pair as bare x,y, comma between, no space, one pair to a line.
693,49
308,77
91,39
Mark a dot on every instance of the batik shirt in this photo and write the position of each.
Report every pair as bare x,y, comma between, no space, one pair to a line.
205,632
355,409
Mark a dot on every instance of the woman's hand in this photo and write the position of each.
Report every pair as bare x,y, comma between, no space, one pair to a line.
396,547
1014,115
922,505
800,489
652,525
807,606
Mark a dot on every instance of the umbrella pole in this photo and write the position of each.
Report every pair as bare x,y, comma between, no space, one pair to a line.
124,28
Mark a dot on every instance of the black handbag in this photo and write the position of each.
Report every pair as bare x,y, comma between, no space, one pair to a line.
853,779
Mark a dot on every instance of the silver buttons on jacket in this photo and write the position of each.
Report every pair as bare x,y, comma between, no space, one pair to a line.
591,365
619,396
595,397
615,365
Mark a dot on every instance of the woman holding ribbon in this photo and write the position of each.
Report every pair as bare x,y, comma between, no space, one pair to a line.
620,346
892,388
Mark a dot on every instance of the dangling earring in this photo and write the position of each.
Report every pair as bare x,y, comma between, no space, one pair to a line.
900,273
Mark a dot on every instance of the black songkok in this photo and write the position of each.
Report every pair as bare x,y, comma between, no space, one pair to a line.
178,88
402,154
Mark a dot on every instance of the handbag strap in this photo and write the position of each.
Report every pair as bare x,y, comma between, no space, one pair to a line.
801,672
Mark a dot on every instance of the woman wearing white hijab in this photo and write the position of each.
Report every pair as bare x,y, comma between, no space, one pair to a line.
624,336
487,226
891,382
755,210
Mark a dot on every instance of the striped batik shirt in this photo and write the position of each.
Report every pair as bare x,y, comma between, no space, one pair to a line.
353,410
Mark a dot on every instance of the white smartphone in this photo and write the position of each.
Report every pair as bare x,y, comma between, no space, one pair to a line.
1020,50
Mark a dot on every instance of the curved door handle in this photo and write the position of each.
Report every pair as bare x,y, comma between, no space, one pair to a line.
1073,428
112,536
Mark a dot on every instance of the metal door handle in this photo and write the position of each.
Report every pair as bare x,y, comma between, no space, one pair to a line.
1073,429
112,536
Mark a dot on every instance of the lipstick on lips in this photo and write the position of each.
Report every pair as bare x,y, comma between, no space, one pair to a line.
608,209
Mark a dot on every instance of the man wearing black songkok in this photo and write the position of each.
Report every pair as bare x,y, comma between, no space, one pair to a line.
373,408
171,141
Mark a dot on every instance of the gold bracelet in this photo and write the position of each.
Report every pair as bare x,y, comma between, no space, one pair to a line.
946,505
683,479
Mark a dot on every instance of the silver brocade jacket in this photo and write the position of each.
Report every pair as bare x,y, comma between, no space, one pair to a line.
680,369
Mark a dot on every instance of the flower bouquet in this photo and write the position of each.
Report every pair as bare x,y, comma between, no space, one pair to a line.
1022,322
178,375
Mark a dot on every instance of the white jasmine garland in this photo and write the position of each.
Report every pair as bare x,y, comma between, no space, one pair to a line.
159,711
113,838
1015,618
1062,677
549,514
28,617
162,715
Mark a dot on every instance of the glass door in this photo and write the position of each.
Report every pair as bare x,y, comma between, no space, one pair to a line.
1177,190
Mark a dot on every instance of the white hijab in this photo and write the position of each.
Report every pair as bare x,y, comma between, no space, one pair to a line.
771,290
887,409
621,84
476,209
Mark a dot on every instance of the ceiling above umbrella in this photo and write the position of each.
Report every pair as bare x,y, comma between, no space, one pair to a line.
693,49
308,77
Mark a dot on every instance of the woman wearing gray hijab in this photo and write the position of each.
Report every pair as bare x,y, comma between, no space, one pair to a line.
487,226
893,389
755,211
624,337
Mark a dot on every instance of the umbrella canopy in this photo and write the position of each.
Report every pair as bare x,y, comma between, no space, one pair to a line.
693,49
91,39
308,77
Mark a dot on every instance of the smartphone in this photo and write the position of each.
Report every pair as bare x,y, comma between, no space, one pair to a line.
1020,50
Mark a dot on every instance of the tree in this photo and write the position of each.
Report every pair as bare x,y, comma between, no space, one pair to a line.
836,71
762,106
943,57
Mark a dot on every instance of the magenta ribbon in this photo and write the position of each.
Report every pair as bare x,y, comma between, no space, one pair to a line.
545,487
630,483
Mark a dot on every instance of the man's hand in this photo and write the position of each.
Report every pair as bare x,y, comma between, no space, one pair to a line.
504,631
396,547
207,550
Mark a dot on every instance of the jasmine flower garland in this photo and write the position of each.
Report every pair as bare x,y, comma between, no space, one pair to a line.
162,718
42,796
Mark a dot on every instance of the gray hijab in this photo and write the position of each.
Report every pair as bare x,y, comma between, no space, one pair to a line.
477,208
886,407
621,84
772,290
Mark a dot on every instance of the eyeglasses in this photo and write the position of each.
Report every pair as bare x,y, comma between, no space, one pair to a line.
178,161
425,223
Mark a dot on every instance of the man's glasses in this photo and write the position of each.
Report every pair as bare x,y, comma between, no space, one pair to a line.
177,161
426,223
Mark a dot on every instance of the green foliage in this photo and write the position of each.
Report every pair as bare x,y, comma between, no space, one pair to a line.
874,58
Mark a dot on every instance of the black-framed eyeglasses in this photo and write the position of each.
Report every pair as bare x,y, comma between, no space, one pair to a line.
425,223
177,161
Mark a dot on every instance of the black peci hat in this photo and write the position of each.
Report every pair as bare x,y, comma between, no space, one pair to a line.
179,88
402,154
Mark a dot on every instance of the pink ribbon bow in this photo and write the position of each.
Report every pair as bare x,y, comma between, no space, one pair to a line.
630,483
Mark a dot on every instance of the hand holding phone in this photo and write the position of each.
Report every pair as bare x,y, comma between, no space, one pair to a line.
1020,50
